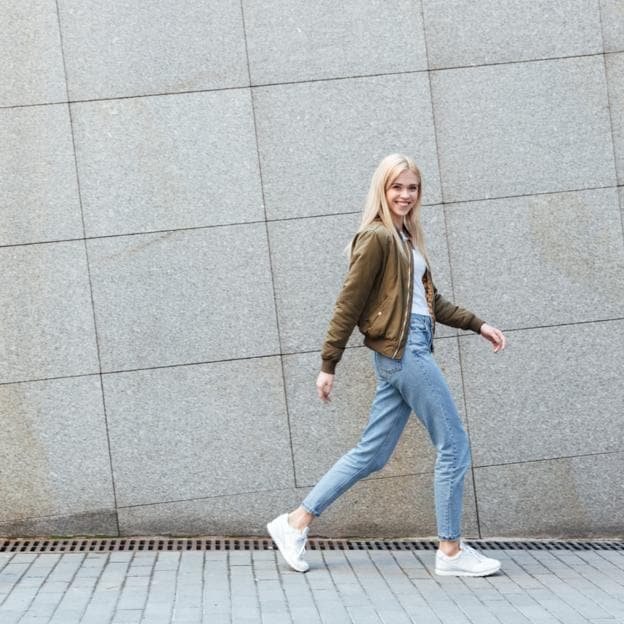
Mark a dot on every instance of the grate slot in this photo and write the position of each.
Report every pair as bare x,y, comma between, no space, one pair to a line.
155,544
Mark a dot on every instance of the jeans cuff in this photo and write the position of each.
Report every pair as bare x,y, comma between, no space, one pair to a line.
316,514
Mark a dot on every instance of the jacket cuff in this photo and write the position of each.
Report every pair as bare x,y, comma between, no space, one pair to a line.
475,324
328,366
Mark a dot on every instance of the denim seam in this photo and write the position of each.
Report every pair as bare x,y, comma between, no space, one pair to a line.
451,437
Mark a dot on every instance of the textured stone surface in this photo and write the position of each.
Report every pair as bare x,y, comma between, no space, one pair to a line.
612,25
553,392
31,71
615,81
578,496
196,431
237,514
320,142
183,297
522,128
292,41
39,196
102,522
309,265
475,33
390,507
122,48
322,433
539,260
46,315
160,163
54,451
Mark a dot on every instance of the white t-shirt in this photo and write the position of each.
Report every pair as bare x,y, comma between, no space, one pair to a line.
419,298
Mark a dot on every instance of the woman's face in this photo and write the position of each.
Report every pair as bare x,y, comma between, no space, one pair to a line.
402,195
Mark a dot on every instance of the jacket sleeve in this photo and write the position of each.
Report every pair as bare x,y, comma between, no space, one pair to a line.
367,257
453,315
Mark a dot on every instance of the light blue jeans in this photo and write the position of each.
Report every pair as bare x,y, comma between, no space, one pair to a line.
413,383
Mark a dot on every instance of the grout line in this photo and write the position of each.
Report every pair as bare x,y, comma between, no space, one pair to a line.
268,239
378,478
443,203
286,219
287,354
137,96
548,459
550,326
606,74
448,253
86,251
306,81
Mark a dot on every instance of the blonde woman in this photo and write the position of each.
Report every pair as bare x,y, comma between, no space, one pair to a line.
389,294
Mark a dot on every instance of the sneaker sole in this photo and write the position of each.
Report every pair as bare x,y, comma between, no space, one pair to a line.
278,543
464,573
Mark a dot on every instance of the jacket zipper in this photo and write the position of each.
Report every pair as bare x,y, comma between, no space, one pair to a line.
409,282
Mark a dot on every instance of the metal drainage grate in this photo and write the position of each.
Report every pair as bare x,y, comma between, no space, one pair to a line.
147,544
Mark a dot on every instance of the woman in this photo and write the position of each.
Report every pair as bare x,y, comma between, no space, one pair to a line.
390,295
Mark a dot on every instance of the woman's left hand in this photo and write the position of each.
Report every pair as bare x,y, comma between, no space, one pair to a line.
495,336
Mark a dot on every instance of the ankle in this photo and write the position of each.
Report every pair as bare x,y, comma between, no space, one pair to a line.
449,548
299,519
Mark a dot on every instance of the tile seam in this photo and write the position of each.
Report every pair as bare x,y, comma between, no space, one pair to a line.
289,353
449,258
611,124
310,80
445,203
270,258
86,255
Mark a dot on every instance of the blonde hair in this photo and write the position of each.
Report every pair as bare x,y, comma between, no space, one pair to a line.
376,205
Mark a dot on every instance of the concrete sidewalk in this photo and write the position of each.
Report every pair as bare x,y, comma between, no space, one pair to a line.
359,587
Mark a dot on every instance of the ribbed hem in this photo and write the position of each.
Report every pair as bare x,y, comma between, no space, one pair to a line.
328,366
475,324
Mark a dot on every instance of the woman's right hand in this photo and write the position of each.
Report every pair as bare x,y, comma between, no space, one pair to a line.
324,384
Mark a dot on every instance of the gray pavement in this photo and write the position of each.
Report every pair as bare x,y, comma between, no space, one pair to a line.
360,587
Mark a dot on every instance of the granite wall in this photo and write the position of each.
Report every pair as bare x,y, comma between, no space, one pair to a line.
178,182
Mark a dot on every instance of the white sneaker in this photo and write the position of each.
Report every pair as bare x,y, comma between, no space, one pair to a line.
467,562
290,541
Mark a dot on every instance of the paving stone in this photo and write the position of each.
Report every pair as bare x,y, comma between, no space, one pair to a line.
30,47
39,188
344,128
537,127
477,33
168,404
157,304
124,49
144,152
612,25
293,41
47,312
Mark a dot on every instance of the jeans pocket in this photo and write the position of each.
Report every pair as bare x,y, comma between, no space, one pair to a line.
385,366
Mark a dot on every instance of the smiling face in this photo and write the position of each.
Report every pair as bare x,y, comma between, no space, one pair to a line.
402,195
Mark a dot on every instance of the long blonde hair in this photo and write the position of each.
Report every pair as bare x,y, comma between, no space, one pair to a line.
376,205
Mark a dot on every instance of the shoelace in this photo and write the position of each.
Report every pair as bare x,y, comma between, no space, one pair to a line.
300,542
471,551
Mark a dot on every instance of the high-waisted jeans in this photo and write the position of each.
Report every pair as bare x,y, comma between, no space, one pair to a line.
413,383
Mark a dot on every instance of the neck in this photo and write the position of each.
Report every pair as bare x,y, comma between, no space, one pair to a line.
398,222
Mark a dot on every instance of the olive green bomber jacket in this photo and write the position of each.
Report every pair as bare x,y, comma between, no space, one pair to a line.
377,297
